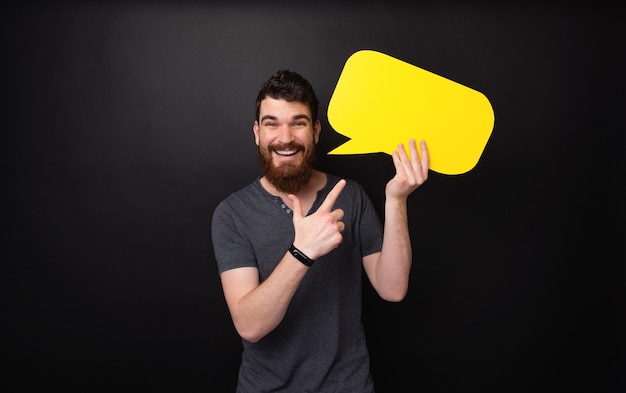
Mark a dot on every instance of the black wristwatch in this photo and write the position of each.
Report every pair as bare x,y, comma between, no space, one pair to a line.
299,255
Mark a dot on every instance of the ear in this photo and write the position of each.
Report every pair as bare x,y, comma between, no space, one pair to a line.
255,128
317,128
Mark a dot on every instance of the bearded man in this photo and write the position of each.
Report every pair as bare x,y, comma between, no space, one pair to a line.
291,248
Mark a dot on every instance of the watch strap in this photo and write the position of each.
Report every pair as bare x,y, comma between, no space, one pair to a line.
299,255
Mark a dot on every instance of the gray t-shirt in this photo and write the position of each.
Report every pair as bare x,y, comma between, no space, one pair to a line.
320,344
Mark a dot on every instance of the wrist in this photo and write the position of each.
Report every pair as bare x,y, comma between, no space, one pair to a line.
300,256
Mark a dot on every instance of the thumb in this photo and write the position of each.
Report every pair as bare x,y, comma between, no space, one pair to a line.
297,208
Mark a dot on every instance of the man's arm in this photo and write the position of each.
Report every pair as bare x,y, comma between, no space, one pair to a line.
257,308
388,270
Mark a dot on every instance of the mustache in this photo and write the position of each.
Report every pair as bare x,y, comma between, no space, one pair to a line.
285,146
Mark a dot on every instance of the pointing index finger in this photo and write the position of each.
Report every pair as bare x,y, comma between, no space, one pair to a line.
332,196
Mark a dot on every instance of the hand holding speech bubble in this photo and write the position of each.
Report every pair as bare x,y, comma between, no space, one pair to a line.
380,101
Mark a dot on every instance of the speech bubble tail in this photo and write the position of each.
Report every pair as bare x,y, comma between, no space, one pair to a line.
352,147
337,151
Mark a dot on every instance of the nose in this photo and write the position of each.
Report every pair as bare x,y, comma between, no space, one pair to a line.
285,134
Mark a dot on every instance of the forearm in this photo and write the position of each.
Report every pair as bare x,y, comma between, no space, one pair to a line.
394,263
259,311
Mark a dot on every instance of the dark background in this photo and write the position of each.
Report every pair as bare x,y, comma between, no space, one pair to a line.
125,123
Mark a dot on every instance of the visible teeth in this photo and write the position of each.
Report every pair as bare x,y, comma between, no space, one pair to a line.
286,152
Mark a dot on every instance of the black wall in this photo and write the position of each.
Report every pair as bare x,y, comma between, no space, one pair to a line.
125,123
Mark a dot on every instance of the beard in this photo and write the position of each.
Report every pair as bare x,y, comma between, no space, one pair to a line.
288,178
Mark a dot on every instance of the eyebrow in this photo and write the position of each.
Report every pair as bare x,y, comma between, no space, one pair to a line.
296,117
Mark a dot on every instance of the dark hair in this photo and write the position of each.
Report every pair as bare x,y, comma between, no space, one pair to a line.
290,86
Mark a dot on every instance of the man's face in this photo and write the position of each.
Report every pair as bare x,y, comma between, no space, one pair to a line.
286,136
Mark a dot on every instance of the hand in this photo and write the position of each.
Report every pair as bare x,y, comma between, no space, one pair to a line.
410,173
319,233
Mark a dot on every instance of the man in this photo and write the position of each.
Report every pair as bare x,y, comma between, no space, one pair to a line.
291,248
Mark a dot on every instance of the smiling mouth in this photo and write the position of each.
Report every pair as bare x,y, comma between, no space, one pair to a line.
286,152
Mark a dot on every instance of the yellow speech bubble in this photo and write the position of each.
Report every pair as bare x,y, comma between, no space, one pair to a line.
380,101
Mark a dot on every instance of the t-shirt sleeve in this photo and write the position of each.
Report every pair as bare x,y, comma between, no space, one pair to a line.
370,226
230,247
